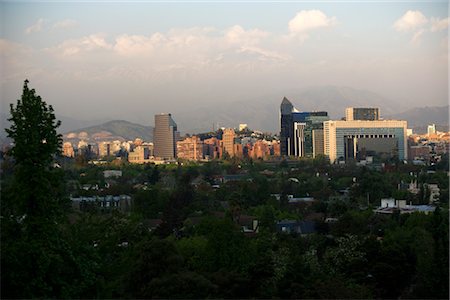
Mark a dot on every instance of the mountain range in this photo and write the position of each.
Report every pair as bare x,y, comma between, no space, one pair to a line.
260,113
112,130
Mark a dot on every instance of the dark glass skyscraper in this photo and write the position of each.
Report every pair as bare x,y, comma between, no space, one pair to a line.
299,130
287,127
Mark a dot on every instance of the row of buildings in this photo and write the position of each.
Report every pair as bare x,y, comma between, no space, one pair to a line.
359,135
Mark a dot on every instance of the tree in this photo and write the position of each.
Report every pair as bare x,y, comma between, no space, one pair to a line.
36,184
36,259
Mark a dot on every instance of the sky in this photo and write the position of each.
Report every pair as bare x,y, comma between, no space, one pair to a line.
122,60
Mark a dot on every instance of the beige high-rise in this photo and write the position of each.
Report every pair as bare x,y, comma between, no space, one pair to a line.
228,141
164,137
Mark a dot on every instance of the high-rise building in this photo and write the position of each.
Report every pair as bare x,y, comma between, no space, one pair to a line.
346,140
296,135
68,149
362,113
190,148
165,136
211,148
104,149
318,142
287,127
228,141
431,129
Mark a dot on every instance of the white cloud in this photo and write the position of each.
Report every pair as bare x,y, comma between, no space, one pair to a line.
439,24
8,48
410,21
132,44
36,27
238,35
86,44
307,20
263,54
416,37
67,23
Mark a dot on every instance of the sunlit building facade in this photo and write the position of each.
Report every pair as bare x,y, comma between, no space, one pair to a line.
165,137
346,140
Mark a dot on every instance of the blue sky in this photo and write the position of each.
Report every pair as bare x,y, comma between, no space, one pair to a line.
87,57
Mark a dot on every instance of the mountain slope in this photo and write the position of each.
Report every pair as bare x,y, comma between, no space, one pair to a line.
112,130
263,112
421,116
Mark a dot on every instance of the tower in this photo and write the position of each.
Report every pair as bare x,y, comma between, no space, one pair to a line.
228,141
164,136
287,128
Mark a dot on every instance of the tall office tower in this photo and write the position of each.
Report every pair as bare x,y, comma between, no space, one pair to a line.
165,136
347,140
287,127
361,113
228,141
296,135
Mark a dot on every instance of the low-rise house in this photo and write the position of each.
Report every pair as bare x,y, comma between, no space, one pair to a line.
390,205
112,173
109,202
298,227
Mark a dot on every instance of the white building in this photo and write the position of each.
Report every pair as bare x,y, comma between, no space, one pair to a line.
348,139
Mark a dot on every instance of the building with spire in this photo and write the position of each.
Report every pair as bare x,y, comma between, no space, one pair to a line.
301,133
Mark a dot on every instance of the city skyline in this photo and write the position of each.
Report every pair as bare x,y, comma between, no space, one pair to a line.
179,56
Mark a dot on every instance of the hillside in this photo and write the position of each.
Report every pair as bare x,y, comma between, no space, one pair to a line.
112,130
422,116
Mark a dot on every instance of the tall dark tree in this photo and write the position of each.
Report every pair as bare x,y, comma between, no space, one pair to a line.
36,260
36,142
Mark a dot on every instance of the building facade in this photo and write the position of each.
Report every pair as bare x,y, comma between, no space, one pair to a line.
228,141
345,140
190,148
141,154
164,137
362,113
68,150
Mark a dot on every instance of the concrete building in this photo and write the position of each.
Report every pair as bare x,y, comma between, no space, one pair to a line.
190,148
260,149
276,148
419,152
104,149
360,113
318,142
141,154
243,126
165,136
228,141
431,129
68,149
212,148
344,140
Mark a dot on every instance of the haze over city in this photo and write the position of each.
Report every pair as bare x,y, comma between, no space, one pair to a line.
113,60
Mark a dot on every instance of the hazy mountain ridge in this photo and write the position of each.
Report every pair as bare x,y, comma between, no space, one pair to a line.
420,116
262,113
112,130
